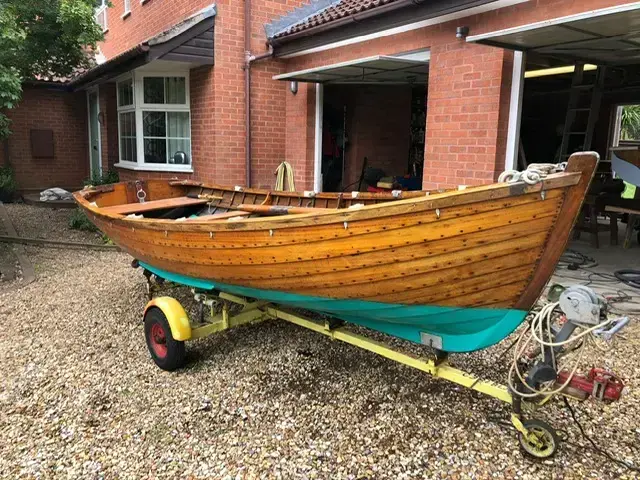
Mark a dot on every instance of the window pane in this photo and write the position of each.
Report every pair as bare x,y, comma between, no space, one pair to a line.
128,124
176,90
154,124
178,124
128,150
128,137
125,93
155,150
179,151
153,89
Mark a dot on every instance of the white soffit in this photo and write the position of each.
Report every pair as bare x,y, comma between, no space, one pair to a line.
407,68
608,36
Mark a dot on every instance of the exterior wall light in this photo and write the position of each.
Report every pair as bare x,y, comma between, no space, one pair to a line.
293,86
462,32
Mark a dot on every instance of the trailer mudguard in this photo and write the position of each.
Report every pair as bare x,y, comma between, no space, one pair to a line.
176,316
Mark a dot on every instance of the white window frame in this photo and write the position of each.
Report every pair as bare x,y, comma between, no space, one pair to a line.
139,106
103,9
127,8
126,109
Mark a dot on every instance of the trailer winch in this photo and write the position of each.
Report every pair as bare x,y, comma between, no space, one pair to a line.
599,383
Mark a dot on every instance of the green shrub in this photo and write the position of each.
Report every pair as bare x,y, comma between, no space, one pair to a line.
106,240
8,185
105,178
79,221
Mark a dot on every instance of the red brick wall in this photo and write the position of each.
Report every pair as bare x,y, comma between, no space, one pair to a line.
299,141
469,87
463,110
468,95
218,115
65,114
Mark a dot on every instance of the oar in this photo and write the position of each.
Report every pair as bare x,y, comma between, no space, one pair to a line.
273,210
204,196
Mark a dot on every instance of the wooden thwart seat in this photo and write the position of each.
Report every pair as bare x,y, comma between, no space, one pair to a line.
129,208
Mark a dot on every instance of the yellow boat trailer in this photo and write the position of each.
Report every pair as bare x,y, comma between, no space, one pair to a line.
167,327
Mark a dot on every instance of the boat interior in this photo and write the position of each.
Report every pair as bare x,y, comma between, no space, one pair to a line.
193,201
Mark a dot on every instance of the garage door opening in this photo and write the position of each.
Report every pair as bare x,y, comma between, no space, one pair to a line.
575,72
372,118
575,84
373,134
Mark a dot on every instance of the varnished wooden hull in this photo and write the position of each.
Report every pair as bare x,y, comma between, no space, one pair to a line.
487,249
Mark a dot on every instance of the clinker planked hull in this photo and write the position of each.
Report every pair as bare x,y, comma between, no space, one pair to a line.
462,267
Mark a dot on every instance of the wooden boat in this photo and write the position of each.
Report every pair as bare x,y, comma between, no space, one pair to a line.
457,270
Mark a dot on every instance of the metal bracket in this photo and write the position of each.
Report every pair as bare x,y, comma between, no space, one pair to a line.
433,341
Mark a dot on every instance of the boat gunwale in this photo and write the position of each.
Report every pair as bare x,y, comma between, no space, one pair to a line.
470,195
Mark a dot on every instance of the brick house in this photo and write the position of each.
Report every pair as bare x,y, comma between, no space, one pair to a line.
190,89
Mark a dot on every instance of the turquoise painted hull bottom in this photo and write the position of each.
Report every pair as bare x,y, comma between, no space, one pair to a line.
458,329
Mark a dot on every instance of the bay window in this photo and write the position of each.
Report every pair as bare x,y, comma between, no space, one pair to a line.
154,122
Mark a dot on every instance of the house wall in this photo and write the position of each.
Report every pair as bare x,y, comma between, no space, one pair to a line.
66,115
299,141
469,87
468,100
218,93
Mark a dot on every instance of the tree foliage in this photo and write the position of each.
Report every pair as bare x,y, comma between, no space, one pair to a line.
42,39
630,128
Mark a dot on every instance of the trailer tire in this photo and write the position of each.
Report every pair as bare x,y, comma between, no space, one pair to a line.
167,352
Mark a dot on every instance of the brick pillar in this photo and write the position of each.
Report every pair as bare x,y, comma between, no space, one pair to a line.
228,132
203,141
300,134
467,114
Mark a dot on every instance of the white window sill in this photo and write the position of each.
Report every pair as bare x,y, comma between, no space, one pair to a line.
155,167
142,2
126,14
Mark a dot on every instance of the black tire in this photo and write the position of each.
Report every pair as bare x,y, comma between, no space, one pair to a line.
545,433
166,352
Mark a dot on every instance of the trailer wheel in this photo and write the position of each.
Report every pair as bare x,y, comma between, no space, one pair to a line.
166,352
546,440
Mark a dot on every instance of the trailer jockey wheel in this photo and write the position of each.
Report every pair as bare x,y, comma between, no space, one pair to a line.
544,442
166,352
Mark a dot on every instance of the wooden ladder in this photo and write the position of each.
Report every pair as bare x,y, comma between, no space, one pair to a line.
576,110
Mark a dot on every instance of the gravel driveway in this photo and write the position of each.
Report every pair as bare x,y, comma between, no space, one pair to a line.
80,397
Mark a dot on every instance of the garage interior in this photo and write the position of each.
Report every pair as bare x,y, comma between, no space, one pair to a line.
373,121
580,91
383,124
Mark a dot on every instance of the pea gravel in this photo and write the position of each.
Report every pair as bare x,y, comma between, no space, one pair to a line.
80,397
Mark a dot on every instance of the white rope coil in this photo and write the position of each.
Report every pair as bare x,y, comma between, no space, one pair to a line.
534,173
541,323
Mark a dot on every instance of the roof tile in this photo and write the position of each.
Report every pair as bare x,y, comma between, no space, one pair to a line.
333,12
